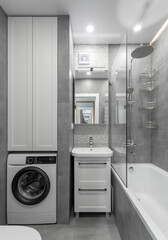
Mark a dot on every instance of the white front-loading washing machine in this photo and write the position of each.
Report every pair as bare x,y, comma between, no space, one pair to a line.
31,188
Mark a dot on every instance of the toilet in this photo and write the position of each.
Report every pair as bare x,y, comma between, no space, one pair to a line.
18,233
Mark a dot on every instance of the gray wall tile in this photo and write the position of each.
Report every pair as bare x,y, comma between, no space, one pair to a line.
82,133
65,118
159,149
3,113
63,155
63,123
63,212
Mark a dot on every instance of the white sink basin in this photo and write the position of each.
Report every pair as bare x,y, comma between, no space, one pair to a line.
92,152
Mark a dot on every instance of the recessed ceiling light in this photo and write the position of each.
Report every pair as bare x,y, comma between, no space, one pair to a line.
90,29
137,28
88,73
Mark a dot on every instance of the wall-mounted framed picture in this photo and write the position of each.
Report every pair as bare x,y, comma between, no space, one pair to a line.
83,58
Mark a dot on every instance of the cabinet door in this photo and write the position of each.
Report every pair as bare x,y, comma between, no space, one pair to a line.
19,84
45,83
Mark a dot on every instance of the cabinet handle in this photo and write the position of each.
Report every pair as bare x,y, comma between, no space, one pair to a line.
92,163
92,190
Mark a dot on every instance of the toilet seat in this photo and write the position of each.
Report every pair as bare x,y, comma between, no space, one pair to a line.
18,233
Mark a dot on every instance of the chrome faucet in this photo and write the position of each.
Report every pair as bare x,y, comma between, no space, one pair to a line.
91,142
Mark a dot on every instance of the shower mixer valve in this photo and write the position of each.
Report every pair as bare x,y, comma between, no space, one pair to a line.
130,144
132,147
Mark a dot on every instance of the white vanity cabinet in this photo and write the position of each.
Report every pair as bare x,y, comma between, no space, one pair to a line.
92,184
32,83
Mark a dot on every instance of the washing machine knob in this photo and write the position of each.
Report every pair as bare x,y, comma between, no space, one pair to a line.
30,160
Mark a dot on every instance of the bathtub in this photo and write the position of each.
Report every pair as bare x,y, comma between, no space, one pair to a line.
148,192
18,233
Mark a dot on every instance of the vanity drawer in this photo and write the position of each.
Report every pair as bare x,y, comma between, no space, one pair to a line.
89,173
95,199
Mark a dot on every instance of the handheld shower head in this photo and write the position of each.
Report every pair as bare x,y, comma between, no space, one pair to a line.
130,90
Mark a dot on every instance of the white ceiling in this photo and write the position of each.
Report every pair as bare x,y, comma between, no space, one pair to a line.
110,17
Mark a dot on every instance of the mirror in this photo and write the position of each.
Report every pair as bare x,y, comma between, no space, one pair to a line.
91,97
120,97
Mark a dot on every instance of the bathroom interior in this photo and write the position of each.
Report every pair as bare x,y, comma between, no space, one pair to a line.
83,119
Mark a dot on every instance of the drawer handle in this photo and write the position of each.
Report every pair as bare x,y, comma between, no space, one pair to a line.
92,190
92,163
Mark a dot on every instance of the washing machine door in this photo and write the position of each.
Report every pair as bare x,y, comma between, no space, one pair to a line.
30,185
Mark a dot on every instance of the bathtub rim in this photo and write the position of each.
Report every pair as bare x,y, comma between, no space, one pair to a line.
150,225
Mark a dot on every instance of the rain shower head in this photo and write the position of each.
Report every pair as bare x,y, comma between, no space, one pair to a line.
130,90
142,51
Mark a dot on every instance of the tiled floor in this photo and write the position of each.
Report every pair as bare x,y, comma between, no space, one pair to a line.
86,227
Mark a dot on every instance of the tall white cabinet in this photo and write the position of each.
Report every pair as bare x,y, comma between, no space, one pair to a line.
32,84
20,125
44,83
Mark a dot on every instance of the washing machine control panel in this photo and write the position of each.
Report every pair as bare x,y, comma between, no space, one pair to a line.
40,159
